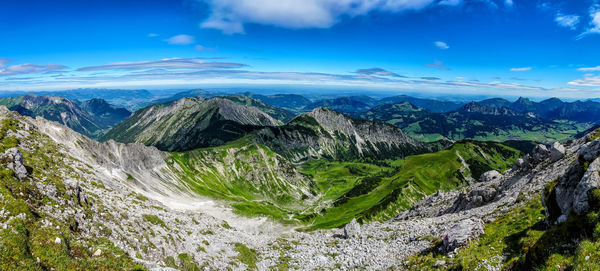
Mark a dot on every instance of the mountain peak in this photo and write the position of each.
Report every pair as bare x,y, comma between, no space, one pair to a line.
474,107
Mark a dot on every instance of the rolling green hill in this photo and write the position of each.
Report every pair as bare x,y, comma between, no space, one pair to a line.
378,192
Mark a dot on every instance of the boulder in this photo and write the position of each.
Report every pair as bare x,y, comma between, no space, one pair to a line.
540,153
589,181
557,152
462,233
590,150
352,229
14,161
490,176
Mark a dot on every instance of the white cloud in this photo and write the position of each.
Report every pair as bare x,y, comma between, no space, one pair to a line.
181,40
589,69
594,26
442,45
26,68
230,16
169,63
589,80
524,69
509,3
567,21
152,35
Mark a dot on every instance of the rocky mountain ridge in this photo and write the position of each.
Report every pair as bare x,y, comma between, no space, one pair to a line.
190,123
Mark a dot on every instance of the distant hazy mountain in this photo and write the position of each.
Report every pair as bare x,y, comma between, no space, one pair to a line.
90,118
324,133
130,99
350,104
473,121
291,102
274,111
184,94
429,104
103,112
190,123
553,109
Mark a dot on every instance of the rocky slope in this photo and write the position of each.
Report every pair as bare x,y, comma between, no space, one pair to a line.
190,123
83,204
324,133
91,118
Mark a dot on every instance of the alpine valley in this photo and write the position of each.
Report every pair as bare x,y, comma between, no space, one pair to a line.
279,182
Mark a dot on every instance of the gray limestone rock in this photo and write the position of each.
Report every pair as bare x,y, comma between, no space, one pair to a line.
14,160
352,229
490,176
460,234
590,151
557,152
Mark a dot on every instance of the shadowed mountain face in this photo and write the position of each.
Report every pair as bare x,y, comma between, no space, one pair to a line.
190,123
473,121
90,118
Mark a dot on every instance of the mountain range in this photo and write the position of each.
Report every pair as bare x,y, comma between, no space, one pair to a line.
233,182
473,121
91,117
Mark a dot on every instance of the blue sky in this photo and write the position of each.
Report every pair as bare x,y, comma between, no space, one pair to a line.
482,47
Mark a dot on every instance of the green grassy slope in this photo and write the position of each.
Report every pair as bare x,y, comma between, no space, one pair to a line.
369,192
259,181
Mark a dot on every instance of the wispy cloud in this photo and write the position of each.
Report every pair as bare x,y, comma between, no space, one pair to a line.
567,21
442,45
6,70
181,40
169,63
152,35
377,71
524,69
589,69
594,25
589,80
431,78
438,65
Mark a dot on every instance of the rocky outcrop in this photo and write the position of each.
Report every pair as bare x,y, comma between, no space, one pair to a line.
571,192
352,229
462,233
557,152
14,161
540,153
490,176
